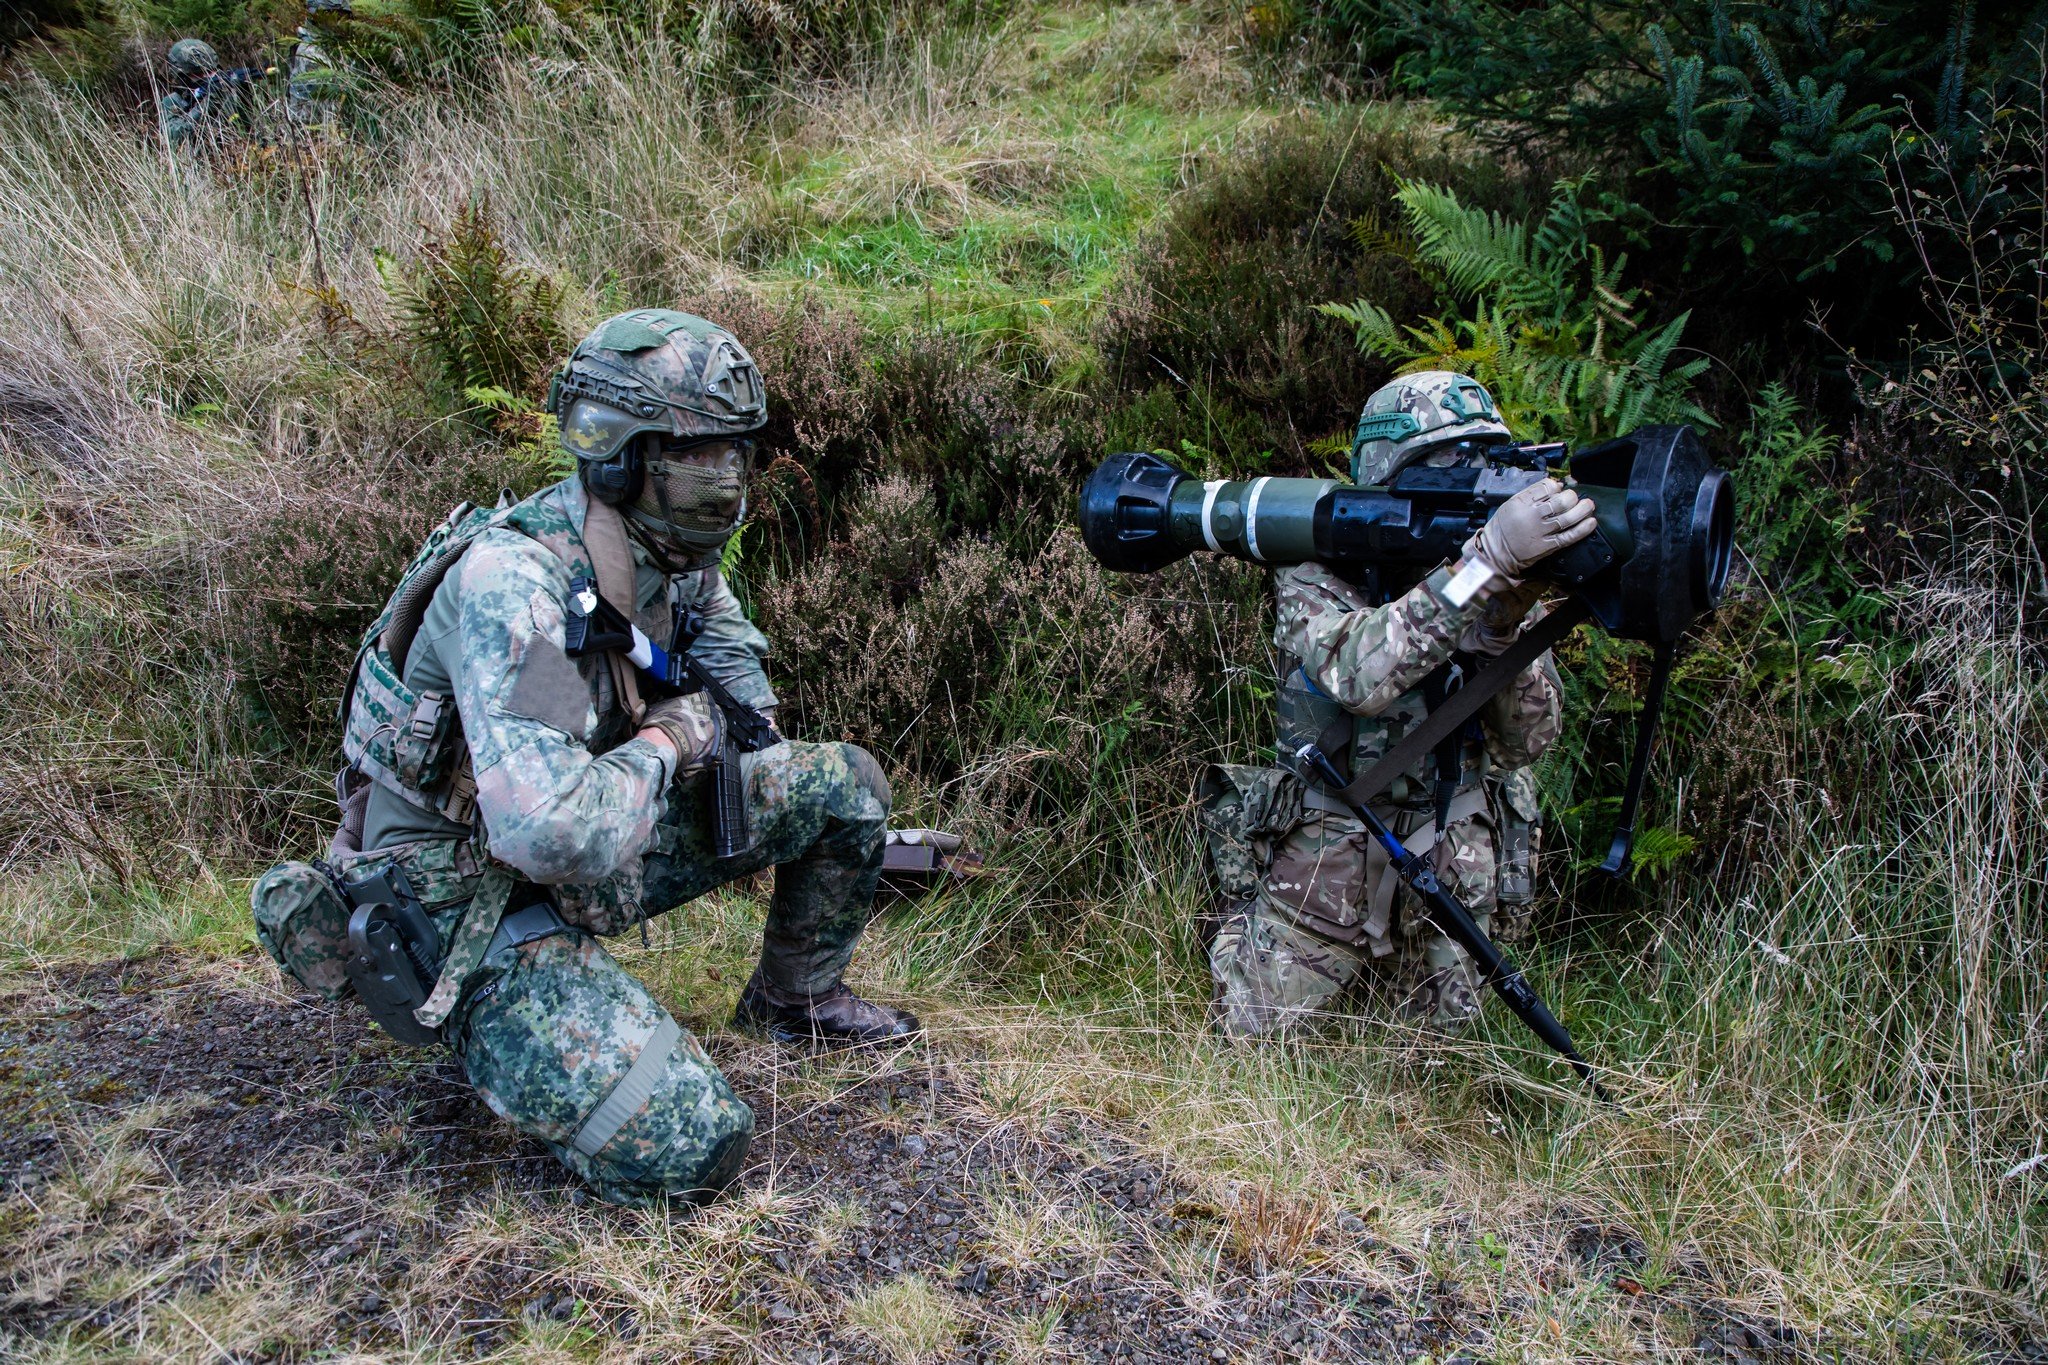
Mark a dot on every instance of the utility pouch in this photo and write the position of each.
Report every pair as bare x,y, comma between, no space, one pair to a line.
1518,829
423,751
395,952
302,922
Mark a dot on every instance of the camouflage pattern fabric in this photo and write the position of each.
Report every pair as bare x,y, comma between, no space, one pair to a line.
1307,934
316,86
1310,902
1404,419
820,816
202,117
549,1034
548,1029
566,797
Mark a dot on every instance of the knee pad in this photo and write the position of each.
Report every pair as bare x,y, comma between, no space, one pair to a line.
867,770
707,1130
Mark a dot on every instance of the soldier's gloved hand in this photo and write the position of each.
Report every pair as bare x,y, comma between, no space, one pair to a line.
692,724
1532,526
1500,618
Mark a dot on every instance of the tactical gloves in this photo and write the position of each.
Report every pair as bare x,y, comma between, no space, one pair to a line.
693,725
1532,526
1500,618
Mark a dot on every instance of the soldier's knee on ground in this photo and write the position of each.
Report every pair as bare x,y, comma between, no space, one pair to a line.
1447,995
561,1042
1271,976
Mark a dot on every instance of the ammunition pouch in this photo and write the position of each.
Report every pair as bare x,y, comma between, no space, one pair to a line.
1517,824
424,742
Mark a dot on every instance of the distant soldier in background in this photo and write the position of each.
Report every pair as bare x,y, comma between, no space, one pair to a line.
1307,901
317,86
205,103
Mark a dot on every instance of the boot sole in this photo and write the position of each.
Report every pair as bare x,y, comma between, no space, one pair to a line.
810,1038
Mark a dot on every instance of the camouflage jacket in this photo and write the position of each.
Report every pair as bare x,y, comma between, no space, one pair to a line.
211,108
564,793
1340,654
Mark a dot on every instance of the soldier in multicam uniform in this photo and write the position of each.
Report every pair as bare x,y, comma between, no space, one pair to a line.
316,85
200,104
1306,898
534,802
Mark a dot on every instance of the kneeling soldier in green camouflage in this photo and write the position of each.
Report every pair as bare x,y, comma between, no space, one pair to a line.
1307,901
507,802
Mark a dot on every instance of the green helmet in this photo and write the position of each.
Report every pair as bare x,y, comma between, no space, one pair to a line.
1411,416
674,379
315,6
193,59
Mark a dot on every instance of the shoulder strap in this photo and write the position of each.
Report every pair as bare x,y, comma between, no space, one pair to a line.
1462,704
604,535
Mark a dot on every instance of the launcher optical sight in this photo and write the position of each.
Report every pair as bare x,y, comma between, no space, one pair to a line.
1657,564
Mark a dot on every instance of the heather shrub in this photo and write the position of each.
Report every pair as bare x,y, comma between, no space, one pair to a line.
1016,678
1222,303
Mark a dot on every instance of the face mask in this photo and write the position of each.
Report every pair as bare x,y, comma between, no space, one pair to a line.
694,495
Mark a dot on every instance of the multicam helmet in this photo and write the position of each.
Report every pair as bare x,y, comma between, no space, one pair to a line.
193,59
1415,413
315,6
676,377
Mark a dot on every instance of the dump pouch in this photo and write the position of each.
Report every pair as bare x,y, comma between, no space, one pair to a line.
302,922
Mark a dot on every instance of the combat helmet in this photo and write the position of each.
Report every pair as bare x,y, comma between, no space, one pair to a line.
1414,414
650,379
193,60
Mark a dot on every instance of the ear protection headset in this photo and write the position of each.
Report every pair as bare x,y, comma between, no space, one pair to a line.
619,479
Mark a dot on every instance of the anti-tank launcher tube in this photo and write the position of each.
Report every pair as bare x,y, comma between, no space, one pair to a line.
1659,562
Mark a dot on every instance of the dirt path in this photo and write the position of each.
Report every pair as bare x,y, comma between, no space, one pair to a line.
195,1160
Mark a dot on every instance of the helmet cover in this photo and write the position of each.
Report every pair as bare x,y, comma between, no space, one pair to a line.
655,370
193,59
1405,419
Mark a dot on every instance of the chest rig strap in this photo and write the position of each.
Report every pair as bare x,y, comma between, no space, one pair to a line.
1462,705
604,535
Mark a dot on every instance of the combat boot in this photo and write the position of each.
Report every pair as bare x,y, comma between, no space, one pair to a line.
837,1016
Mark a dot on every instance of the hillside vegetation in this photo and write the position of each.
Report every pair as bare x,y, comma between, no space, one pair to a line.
976,245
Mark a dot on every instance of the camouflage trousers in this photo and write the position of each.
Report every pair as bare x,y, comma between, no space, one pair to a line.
1307,908
565,1045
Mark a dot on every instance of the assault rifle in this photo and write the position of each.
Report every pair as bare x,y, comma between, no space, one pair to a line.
237,77
1656,564
595,626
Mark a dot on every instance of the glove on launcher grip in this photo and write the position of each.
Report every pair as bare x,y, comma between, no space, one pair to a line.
1657,563
594,626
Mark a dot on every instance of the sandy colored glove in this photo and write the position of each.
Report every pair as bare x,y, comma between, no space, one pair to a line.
1500,618
692,724
1532,526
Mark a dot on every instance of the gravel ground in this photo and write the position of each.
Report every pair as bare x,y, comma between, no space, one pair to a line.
197,1161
